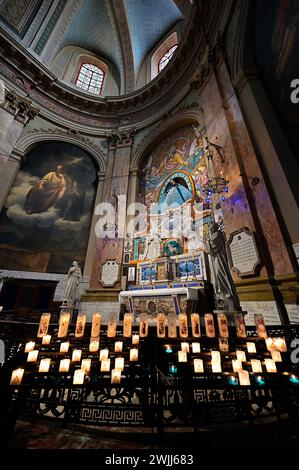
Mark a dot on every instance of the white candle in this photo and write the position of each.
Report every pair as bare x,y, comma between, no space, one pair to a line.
80,326
64,322
119,363
127,330
76,355
104,354
237,365
185,347
182,356
46,339
86,365
94,344
198,366
256,365
223,345
44,365
64,365
183,325
115,376
17,376
143,326
105,365
260,325
111,329
216,356
64,347
216,367
276,356
161,325
280,344
240,325
118,347
78,377
244,378
133,355
270,365
241,355
195,325
135,339
209,324
96,325
32,356
43,325
222,325
171,322
196,348
29,346
251,348
270,344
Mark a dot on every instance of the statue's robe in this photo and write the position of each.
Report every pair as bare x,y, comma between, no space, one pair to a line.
41,199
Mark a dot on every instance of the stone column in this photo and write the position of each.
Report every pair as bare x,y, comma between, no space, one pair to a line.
15,113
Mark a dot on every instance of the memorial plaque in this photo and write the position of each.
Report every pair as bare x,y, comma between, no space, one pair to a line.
243,253
110,273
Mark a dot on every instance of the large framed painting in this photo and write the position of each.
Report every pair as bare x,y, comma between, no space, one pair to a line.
46,219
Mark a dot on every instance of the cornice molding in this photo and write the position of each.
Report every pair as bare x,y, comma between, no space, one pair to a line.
19,107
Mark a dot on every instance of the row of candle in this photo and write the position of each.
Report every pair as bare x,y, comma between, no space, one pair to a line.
77,354
275,346
256,364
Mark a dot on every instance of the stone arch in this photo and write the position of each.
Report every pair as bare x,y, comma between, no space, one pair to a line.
30,140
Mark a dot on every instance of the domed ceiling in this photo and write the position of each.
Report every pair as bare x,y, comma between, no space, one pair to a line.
124,31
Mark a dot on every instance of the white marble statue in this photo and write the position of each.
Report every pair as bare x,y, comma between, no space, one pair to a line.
152,247
73,277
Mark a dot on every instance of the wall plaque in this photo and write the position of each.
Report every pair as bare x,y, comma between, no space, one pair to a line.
110,273
242,252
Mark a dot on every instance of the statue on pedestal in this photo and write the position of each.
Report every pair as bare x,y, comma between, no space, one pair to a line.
73,278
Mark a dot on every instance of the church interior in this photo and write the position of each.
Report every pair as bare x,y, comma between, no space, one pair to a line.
149,234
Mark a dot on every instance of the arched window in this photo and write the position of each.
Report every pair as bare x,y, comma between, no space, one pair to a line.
166,57
90,78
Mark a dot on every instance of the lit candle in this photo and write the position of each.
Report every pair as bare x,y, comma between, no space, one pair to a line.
78,377
104,354
133,355
44,365
260,325
127,329
280,344
46,339
240,325
237,365
270,344
96,325
135,339
251,348
161,325
195,325
196,348
43,325
105,365
29,346
143,326
76,355
115,376
64,347
216,356
64,322
32,356
171,322
216,367
111,329
222,325
118,347
223,345
94,344
80,326
244,378
64,365
276,356
209,324
86,365
182,355
198,366
185,347
183,325
119,363
270,365
256,365
241,355
17,377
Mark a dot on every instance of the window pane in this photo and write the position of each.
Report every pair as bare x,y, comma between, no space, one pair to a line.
90,78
